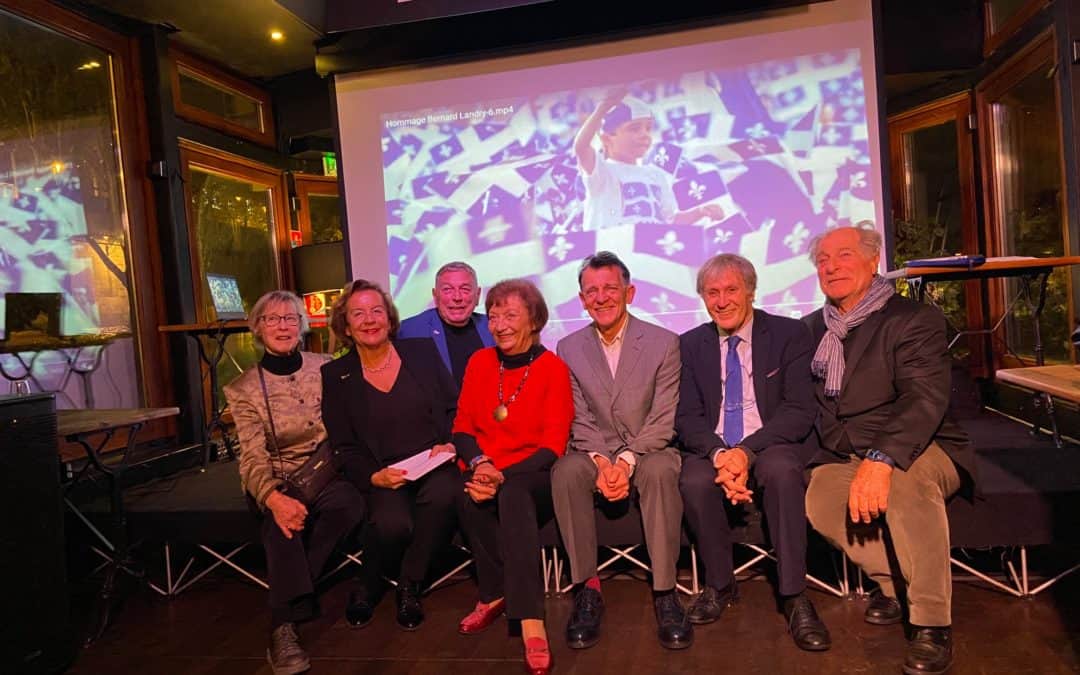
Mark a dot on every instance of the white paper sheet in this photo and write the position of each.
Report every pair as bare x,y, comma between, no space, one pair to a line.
422,463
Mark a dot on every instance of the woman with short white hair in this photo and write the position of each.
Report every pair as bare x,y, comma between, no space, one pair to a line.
277,409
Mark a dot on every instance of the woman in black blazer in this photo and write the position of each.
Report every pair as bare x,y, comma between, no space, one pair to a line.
383,401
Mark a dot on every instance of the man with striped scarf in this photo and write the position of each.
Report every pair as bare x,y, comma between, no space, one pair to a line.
890,457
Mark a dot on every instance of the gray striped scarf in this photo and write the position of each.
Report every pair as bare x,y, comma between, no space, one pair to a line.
828,362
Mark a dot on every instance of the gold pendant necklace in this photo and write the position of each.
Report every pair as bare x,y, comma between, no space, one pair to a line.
502,411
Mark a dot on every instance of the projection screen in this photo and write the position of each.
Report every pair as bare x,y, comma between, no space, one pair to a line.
751,137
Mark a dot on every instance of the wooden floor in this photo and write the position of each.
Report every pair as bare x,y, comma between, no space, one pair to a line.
221,627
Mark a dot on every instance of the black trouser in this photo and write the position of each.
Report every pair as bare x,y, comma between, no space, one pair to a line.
408,526
504,533
294,564
778,474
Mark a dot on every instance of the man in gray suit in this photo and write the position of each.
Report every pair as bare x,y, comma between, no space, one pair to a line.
625,377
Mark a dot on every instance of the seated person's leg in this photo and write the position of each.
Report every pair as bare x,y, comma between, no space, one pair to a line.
435,511
778,473
657,480
706,514
332,520
524,501
573,488
573,484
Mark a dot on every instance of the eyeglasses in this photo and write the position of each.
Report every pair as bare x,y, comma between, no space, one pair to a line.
275,319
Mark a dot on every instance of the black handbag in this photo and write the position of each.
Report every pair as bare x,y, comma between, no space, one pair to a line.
323,466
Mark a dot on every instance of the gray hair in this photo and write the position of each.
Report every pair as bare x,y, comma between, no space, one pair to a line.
869,239
271,298
725,261
457,266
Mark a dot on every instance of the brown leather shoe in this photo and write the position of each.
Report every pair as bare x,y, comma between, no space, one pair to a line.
285,654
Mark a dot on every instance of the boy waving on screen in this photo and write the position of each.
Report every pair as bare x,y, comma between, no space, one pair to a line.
619,190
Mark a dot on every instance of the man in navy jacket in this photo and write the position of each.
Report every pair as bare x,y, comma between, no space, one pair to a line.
746,408
457,330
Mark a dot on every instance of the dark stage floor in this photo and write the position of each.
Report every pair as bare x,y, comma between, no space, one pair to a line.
220,627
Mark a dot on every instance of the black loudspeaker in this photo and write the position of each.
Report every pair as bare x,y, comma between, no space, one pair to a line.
37,635
319,267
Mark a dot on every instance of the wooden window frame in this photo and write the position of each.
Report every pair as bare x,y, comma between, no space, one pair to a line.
956,109
147,293
994,39
204,70
235,167
1041,50
308,184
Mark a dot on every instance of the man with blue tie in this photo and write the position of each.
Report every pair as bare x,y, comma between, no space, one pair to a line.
746,408
457,330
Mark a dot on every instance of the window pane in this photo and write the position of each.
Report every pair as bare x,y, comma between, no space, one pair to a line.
234,225
1002,10
219,101
63,221
325,218
1027,178
932,197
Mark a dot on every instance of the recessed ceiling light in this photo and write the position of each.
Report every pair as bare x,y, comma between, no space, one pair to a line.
277,36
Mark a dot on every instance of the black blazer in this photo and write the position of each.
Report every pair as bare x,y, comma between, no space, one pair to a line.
783,387
345,415
895,390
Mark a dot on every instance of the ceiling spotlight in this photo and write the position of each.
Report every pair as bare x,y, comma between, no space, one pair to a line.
277,36
89,65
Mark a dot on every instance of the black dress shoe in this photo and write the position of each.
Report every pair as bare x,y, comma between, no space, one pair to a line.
929,651
711,603
673,626
410,613
285,654
583,626
806,628
360,607
883,610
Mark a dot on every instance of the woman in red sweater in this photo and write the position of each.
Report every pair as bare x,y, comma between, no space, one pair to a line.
513,422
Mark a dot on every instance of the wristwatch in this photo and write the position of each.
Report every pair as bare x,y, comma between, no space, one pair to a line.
478,460
879,456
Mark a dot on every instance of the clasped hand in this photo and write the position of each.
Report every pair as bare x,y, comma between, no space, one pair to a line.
612,480
732,472
484,483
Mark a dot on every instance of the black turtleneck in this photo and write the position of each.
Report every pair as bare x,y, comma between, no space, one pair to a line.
512,361
461,343
282,365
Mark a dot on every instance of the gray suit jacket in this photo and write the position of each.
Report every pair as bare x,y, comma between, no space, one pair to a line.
633,411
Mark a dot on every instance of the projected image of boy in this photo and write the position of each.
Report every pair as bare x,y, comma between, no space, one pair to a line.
619,190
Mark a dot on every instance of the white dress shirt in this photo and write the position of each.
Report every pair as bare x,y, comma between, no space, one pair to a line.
745,350
612,352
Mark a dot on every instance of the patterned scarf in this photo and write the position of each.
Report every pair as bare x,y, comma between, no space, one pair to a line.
828,363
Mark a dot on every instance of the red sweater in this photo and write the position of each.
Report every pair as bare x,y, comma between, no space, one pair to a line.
539,417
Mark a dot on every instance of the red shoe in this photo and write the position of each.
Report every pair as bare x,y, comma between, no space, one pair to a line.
537,656
481,617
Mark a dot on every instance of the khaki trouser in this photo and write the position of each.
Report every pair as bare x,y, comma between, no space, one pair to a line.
914,535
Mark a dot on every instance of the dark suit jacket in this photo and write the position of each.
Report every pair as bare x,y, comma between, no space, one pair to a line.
895,389
427,324
783,387
345,412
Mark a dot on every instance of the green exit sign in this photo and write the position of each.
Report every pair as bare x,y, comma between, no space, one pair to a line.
329,164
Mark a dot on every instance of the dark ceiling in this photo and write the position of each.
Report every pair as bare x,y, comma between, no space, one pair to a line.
925,41
234,33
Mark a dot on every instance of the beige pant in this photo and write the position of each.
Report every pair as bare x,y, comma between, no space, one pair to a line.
914,535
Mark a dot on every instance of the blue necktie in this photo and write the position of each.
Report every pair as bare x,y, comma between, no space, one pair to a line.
733,403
